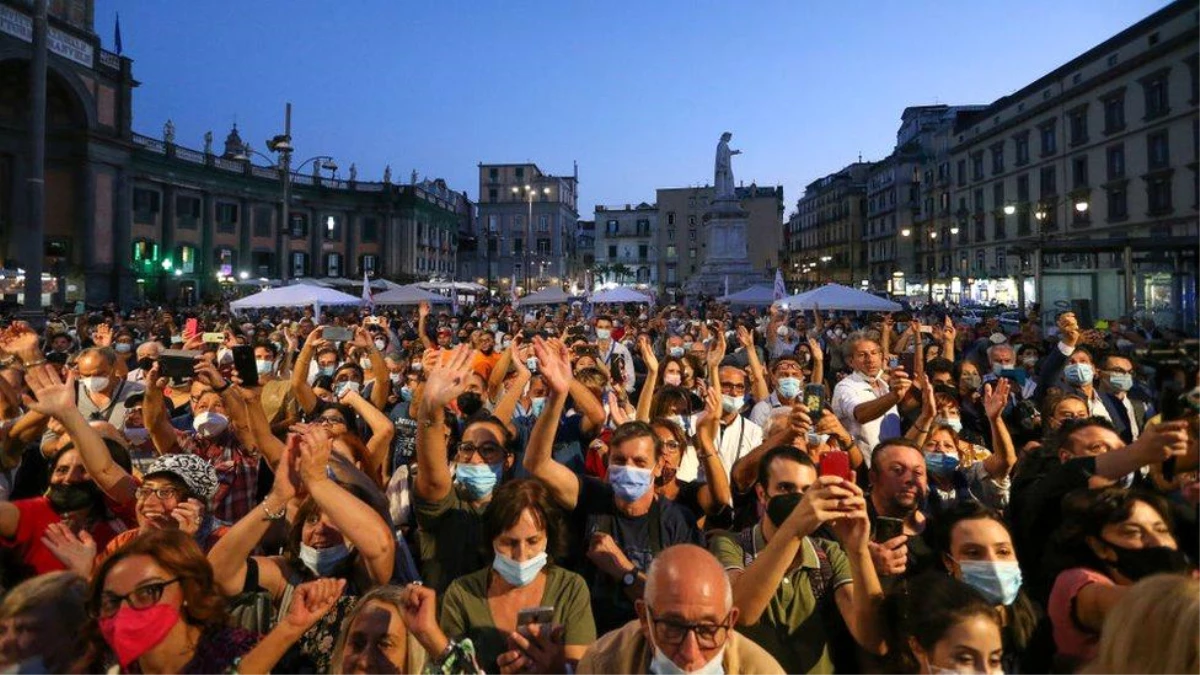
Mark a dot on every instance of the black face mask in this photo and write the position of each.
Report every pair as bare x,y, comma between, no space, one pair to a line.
781,506
469,403
73,496
1138,563
145,363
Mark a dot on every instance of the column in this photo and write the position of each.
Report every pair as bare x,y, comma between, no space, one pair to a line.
205,282
167,240
123,237
97,276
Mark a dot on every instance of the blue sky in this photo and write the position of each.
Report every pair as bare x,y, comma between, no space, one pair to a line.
637,92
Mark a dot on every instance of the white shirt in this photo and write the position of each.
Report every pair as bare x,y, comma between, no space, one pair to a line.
1133,423
852,392
618,350
761,412
733,442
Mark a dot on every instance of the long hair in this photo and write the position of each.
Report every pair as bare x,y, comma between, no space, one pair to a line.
931,605
387,595
1152,629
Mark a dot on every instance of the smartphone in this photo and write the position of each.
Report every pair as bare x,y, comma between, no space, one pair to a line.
908,363
835,463
894,362
177,364
887,528
191,327
1017,375
337,334
244,365
214,338
371,321
926,329
538,615
814,400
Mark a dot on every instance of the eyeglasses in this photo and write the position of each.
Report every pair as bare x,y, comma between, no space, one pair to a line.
488,452
734,388
163,493
330,420
146,595
672,633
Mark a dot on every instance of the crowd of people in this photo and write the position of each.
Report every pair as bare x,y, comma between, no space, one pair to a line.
576,489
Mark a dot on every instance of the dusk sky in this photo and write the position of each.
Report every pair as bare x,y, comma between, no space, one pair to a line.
637,92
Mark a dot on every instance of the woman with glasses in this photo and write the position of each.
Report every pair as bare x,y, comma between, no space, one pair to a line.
494,606
705,499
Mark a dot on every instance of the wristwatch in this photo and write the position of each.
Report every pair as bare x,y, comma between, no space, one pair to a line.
629,579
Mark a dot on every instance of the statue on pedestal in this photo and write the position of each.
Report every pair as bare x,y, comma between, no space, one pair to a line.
387,174
169,132
353,173
723,172
208,138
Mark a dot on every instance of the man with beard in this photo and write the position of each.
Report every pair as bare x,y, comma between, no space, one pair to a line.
486,355
899,487
73,501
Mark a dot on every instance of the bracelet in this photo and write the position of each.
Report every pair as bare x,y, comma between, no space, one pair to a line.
925,430
705,456
278,515
33,364
221,389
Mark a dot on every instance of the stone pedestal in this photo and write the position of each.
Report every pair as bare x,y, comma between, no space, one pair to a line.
725,228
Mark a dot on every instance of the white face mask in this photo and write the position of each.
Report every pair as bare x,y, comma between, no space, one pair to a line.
208,424
95,384
663,665
136,435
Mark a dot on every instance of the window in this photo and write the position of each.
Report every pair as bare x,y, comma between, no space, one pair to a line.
1114,111
691,221
692,253
1079,172
187,260
493,224
643,251
370,228
262,221
670,217
999,226
643,228
1077,121
493,174
331,228
224,261
493,246
977,165
299,224
187,212
671,251
1049,136
518,245
612,227
1158,191
145,204
1023,188
517,270
980,260
492,194
1021,146
1154,86
333,264
1049,183
227,216
1118,206
1116,161
691,235
519,172
543,246
1022,221
544,223
1001,262
671,274
1157,152
978,201
997,158
367,264
998,196
670,234
962,172
612,251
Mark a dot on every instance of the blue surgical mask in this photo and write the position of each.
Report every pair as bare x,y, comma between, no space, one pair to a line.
328,370
998,581
954,423
345,386
478,479
1121,381
731,404
1078,374
629,483
537,405
406,393
264,367
998,368
518,573
789,387
680,420
940,464
675,351
603,333
323,561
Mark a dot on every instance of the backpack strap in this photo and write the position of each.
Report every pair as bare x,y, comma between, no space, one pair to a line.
823,579
745,538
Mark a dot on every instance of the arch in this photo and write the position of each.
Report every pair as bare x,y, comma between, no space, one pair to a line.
61,82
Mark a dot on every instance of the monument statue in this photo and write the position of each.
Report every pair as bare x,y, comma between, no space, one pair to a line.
723,172
387,174
353,173
169,132
208,138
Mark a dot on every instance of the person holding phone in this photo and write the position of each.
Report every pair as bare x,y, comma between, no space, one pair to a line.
502,608
866,401
783,575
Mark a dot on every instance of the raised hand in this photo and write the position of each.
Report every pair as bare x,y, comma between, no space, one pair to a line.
418,611
554,363
21,340
827,500
363,339
814,347
207,373
890,557
444,381
535,648
311,601
54,397
102,335
647,352
76,551
744,338
314,336
949,332
1068,329
287,472
899,382
710,418
189,514
423,310
996,397
315,449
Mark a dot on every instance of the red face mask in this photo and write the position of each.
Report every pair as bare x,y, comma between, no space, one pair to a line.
133,632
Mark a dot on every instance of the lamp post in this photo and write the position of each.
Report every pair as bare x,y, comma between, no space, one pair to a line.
530,191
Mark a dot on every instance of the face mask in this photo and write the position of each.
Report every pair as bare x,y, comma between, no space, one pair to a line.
687,346
1078,374
224,355
416,366
346,386
998,581
672,379
789,387
406,393
998,368
603,333
264,367
781,506
940,464
395,378
94,385
381,345
661,664
505,344
1138,563
537,405
133,632
518,573
1029,361
677,352
629,483
145,364
1121,381
681,421
954,423
531,363
971,381
814,439
364,363
731,404
123,347
328,371
493,327
136,435
208,424
782,332
478,479
469,403
323,561
65,498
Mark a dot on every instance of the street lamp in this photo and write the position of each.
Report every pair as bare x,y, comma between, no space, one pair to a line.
1081,206
1009,209
243,275
905,232
953,229
530,191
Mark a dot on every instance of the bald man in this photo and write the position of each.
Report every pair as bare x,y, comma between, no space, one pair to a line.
685,624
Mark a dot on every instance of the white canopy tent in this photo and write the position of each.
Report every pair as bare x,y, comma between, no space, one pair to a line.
296,295
408,295
547,296
460,286
339,282
836,296
755,295
620,294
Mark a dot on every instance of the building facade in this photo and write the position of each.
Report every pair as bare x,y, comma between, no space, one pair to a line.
825,239
1083,184
625,250
682,241
526,226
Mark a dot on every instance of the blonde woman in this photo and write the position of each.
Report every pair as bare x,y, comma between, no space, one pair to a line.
1152,629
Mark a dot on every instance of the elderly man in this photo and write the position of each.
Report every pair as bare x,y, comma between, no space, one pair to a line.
99,394
147,353
865,401
685,624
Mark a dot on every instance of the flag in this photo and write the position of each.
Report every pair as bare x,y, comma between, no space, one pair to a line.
726,284
117,34
368,299
780,288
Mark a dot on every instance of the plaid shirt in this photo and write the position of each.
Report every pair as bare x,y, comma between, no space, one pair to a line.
237,471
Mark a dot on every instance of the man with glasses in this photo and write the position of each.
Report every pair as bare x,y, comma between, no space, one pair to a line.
788,584
787,375
737,435
685,624
1127,413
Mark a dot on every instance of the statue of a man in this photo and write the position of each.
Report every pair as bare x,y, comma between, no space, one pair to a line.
387,174
208,138
723,173
169,132
353,173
